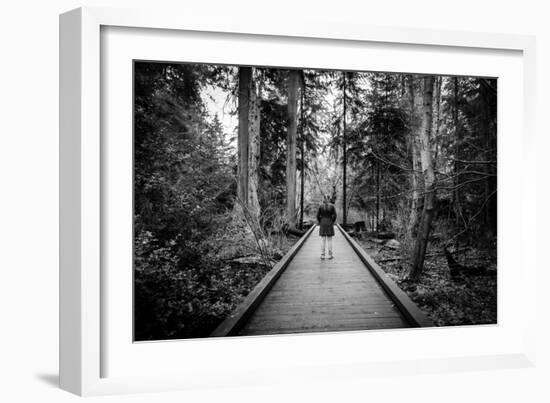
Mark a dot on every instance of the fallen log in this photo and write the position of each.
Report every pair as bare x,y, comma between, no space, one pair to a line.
457,269
287,231
396,258
235,258
380,235
251,260
392,259
295,232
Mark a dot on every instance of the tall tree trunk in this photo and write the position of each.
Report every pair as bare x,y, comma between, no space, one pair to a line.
421,243
302,149
458,140
437,109
377,196
245,80
253,149
293,82
413,216
344,156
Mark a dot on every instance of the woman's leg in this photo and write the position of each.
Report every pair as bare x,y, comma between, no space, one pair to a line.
330,246
323,242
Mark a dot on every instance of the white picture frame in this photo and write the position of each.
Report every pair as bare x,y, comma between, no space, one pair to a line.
82,297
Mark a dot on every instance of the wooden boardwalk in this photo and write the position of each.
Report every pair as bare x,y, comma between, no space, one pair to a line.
324,295
307,294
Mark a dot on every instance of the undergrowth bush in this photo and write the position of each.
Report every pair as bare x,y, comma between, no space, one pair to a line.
185,287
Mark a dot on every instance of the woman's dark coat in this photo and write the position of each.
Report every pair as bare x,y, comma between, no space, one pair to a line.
326,217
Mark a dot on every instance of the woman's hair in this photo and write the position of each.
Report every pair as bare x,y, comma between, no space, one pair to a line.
326,199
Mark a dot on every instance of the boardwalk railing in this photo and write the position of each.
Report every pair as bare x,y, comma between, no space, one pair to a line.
239,316
244,314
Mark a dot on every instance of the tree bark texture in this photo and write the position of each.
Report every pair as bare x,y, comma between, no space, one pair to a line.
245,79
302,152
377,196
344,156
413,216
437,112
458,154
253,149
293,82
419,251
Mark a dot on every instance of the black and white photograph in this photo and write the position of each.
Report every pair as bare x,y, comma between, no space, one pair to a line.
275,200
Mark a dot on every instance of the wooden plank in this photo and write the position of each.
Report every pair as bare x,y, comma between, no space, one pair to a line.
335,302
232,323
332,294
308,319
337,306
328,320
290,327
327,300
414,315
341,328
342,310
323,320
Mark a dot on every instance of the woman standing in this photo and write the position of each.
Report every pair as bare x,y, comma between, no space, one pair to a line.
326,216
